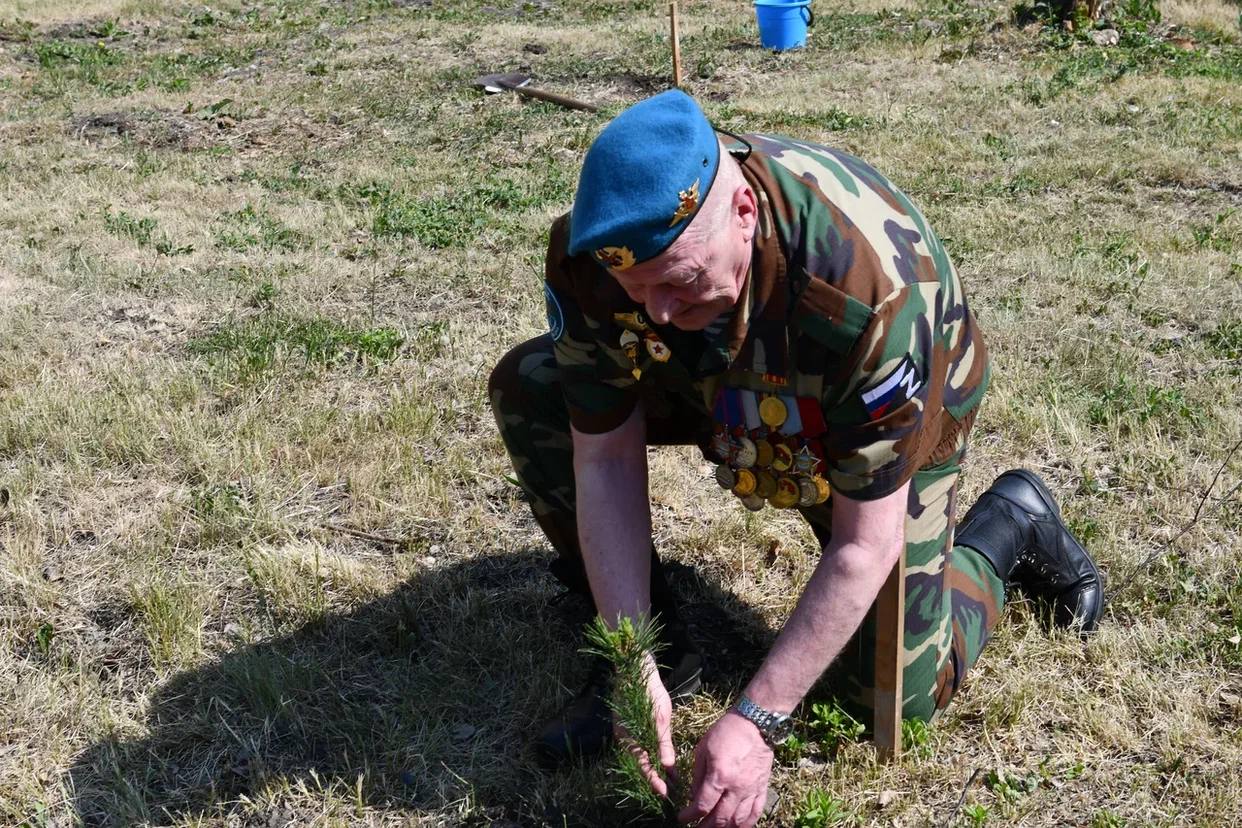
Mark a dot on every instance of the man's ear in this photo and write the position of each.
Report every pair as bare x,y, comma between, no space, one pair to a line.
746,211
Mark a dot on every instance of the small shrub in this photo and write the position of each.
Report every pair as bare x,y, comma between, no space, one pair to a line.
1009,786
977,814
125,225
916,737
821,809
831,725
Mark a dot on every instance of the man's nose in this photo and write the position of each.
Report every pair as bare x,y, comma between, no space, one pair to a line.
659,306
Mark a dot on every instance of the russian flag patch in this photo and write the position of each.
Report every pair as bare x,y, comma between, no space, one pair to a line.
902,383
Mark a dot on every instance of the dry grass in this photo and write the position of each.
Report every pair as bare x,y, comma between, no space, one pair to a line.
257,566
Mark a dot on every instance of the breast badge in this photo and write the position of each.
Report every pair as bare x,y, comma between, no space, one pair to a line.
769,448
629,344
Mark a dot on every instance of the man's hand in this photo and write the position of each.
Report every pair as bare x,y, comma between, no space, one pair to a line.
732,765
662,714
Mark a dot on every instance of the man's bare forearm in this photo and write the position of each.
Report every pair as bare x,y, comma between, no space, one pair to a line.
614,517
850,574
834,603
614,531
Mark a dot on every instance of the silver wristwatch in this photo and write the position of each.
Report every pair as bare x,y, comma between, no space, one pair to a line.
775,727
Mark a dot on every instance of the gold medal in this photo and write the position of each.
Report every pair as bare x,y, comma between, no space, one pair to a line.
745,484
763,453
823,489
783,458
772,412
753,502
725,476
807,492
744,452
787,493
765,484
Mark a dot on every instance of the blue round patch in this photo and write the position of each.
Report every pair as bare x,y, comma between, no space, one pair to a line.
556,317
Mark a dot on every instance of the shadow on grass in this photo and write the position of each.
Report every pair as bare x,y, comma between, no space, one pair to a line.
422,701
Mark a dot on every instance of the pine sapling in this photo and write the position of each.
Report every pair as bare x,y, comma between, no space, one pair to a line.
627,647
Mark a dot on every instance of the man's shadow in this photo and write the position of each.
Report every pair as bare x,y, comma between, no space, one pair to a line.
425,699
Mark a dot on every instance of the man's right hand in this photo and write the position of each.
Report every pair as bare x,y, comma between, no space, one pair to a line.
662,715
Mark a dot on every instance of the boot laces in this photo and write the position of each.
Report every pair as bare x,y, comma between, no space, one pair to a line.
1039,565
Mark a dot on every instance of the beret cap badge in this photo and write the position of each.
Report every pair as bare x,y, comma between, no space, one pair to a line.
687,203
617,258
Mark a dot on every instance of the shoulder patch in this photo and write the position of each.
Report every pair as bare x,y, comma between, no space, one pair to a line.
556,316
900,385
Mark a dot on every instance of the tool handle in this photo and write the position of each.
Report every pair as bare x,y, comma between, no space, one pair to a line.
554,98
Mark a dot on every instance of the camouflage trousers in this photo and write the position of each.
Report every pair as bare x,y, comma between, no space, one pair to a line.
953,596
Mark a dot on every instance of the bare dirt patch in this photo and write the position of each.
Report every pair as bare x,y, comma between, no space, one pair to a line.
164,129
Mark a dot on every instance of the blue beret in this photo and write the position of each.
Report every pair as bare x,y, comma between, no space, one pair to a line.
643,180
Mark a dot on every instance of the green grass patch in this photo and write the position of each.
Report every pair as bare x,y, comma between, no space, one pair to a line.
120,65
832,119
1137,54
451,220
1225,340
250,229
142,230
171,618
248,350
1127,402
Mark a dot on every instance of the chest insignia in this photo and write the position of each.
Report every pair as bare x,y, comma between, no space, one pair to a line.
655,346
770,449
633,321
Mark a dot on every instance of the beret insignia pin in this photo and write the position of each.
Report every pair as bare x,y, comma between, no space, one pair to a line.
618,258
687,201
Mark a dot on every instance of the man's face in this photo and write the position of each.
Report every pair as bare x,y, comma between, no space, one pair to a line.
696,280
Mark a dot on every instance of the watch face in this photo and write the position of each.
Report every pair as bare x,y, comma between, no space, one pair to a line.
782,730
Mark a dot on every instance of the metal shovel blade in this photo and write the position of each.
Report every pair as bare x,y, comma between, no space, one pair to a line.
500,82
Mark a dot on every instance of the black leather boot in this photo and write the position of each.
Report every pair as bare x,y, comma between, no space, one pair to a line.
583,728
1017,526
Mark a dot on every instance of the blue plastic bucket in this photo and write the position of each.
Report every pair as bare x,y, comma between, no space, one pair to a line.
782,23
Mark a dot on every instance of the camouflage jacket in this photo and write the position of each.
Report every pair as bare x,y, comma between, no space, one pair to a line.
851,302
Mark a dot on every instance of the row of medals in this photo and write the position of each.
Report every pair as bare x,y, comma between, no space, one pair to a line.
766,470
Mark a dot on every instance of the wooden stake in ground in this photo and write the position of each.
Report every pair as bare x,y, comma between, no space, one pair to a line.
889,626
672,16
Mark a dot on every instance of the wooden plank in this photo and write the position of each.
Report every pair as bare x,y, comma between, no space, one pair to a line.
889,628
676,38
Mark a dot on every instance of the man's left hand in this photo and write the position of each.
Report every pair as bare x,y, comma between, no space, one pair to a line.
732,765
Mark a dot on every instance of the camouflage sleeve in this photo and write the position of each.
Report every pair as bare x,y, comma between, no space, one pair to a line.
599,393
885,418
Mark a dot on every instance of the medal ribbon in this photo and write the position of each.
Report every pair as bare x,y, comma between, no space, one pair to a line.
812,417
750,406
793,420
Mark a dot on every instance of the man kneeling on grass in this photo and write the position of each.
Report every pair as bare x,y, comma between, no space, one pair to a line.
785,308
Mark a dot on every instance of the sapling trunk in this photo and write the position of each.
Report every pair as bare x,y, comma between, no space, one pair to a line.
626,646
